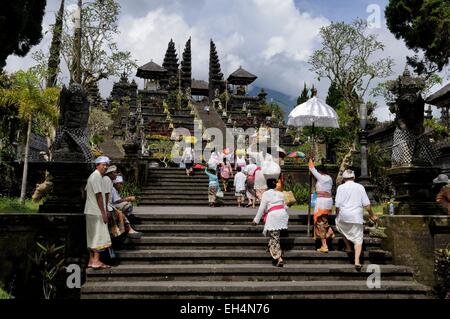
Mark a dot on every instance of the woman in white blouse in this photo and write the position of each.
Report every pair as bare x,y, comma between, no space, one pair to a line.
273,210
323,206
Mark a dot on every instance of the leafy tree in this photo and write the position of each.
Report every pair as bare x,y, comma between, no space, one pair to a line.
438,131
20,27
99,122
25,91
424,25
347,60
334,96
273,108
101,57
304,95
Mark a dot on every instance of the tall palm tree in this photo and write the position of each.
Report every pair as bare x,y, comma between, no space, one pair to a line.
32,101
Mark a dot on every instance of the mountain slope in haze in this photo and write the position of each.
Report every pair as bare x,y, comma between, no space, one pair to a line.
286,102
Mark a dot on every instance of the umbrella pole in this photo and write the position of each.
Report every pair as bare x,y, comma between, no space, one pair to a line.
308,232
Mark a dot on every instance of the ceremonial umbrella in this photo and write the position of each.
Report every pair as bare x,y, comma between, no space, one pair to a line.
313,112
296,154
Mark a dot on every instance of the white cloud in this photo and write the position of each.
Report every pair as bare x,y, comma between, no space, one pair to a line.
259,35
269,38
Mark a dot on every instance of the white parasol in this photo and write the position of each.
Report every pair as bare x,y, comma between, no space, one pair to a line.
313,112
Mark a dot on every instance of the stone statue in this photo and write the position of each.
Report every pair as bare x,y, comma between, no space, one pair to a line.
410,146
188,93
240,90
72,140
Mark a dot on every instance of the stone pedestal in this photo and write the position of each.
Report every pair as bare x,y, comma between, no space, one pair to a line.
69,182
131,150
412,241
365,181
413,187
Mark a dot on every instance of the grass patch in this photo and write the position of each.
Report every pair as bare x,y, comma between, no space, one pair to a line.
13,205
303,207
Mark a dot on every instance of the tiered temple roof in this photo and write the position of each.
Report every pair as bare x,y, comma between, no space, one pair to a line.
441,98
241,77
215,75
170,64
186,66
151,70
199,87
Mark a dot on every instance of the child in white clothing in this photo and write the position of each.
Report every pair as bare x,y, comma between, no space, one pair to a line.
239,185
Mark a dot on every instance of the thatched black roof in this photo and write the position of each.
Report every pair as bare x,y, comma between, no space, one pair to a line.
241,76
441,97
151,70
199,84
199,87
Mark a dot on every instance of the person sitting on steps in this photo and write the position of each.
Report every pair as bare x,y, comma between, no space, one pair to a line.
118,222
124,204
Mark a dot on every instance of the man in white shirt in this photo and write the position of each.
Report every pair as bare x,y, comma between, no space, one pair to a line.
351,199
124,204
118,221
97,233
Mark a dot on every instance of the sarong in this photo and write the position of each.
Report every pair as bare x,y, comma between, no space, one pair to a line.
322,209
212,190
274,244
125,207
97,234
117,223
353,232
240,193
250,190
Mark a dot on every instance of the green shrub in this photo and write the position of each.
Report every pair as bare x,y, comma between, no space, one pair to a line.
4,294
48,261
442,271
157,137
131,189
300,191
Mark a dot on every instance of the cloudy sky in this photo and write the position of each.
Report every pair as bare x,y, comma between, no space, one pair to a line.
270,38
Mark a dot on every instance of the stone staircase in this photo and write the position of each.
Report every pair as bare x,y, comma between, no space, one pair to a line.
201,252
212,119
171,186
110,148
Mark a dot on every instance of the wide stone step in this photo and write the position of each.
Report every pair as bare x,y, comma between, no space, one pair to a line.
253,243
177,185
180,178
188,191
214,217
245,272
242,256
184,202
199,196
212,230
252,289
180,187
179,174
